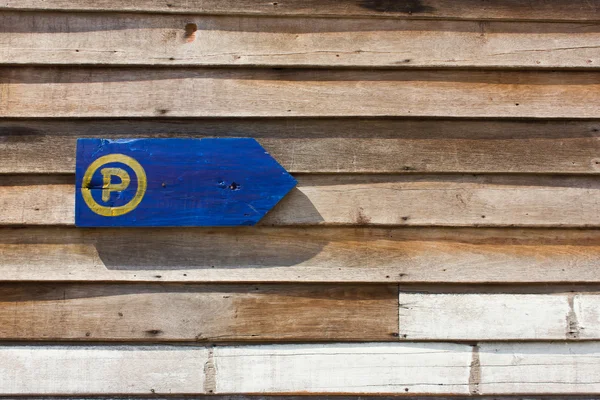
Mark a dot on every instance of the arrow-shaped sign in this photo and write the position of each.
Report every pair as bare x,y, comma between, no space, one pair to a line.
176,182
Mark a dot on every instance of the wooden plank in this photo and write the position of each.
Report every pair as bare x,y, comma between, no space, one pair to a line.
185,92
334,145
539,368
415,200
487,316
585,318
126,39
263,254
351,368
107,370
198,313
576,10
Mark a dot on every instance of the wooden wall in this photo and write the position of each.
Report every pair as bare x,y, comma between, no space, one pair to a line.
443,238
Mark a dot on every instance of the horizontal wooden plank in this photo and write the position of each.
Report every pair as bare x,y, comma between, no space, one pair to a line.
130,39
567,368
192,92
353,368
68,370
334,145
198,313
263,254
576,10
367,368
390,200
491,316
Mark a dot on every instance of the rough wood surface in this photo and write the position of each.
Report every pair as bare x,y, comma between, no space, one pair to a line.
125,39
558,368
198,313
334,145
557,10
263,254
491,316
414,200
359,368
191,92
68,370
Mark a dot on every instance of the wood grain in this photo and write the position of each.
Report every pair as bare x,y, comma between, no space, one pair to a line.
491,316
198,313
108,370
342,200
352,368
184,92
353,145
263,254
126,39
559,10
366,368
560,368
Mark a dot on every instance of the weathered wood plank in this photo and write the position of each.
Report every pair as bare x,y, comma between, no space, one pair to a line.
576,10
489,316
352,368
125,39
415,200
198,313
315,254
334,145
557,368
185,92
108,370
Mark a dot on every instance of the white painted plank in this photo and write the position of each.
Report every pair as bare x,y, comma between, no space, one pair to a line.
539,368
62,370
489,316
344,368
586,321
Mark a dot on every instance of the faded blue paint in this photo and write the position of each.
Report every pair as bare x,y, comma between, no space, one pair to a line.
190,182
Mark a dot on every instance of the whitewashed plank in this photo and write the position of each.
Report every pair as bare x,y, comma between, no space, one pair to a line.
484,316
586,315
133,39
107,370
344,368
30,92
539,368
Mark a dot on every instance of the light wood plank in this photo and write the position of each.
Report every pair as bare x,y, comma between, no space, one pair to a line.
198,313
539,368
262,254
351,368
335,145
184,92
125,39
575,10
416,200
585,320
108,370
487,316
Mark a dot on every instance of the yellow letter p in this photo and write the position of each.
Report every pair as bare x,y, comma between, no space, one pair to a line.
108,187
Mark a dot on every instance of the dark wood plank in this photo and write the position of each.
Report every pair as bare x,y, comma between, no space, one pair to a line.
191,92
176,40
121,312
555,10
359,200
356,145
262,254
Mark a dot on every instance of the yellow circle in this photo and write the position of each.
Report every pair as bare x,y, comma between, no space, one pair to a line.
114,211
